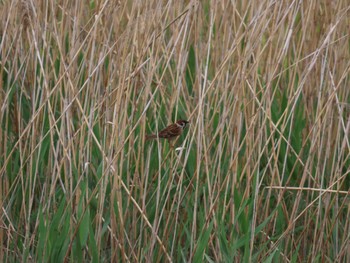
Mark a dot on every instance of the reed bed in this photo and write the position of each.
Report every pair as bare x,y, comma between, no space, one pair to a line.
263,173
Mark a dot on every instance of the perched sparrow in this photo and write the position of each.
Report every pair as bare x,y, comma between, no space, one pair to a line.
170,132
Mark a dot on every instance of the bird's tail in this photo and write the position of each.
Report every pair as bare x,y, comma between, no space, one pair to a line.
151,137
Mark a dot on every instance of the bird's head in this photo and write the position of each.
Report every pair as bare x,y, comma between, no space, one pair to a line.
182,123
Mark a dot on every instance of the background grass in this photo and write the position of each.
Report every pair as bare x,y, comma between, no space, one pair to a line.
264,173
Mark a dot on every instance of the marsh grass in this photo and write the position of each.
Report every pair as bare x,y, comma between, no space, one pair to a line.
264,172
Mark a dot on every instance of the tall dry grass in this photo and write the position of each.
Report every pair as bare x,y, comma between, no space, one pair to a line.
264,170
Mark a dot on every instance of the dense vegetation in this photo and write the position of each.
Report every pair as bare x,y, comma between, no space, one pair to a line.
263,173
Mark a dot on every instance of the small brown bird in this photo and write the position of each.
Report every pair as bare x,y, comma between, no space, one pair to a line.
171,132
